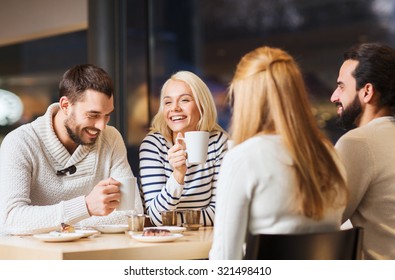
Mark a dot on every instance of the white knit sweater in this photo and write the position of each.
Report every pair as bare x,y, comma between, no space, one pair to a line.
257,194
33,198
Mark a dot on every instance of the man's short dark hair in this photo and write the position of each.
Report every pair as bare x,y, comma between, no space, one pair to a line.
83,77
376,66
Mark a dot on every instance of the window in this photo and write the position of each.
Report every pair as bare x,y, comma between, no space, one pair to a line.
33,70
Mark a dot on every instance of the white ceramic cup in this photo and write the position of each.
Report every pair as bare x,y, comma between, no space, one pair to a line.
196,143
128,190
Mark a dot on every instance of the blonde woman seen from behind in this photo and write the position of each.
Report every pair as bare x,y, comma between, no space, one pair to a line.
283,175
167,181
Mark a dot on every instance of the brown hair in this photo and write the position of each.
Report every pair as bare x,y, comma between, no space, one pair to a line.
82,77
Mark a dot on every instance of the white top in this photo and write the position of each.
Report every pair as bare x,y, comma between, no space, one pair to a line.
33,198
256,192
368,153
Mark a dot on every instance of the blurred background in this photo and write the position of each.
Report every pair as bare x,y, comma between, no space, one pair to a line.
142,42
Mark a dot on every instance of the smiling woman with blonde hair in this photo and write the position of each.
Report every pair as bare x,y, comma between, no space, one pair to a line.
167,181
283,176
204,103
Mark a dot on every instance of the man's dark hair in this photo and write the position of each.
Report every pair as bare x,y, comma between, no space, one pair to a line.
83,77
376,66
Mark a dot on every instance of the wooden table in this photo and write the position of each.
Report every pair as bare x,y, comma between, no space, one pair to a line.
120,246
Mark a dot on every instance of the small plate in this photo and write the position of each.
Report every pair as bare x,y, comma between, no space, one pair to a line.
172,229
154,239
58,237
112,228
87,232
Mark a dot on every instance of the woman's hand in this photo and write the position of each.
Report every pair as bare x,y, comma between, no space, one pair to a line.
178,160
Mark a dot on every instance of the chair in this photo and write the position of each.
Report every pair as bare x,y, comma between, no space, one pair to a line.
337,245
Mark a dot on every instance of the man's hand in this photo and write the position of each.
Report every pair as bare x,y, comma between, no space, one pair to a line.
104,198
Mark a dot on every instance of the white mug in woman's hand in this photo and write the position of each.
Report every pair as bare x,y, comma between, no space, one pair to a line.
197,146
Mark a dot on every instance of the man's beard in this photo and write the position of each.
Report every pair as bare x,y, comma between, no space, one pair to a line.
348,117
74,136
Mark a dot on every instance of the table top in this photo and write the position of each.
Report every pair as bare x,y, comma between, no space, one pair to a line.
115,246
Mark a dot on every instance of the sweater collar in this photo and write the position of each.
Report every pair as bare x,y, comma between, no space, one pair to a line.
44,126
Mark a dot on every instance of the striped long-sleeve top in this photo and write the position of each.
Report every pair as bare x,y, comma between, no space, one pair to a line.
162,192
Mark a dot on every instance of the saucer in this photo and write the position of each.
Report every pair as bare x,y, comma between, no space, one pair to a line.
112,228
58,237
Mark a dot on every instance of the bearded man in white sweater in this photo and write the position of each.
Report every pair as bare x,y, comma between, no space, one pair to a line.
365,98
61,167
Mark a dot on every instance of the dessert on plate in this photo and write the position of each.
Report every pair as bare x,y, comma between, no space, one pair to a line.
156,232
65,228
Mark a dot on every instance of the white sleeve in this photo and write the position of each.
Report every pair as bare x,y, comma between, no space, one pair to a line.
231,218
